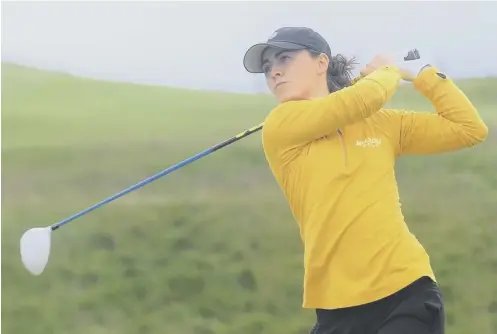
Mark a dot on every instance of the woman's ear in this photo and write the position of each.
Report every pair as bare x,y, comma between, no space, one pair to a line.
323,62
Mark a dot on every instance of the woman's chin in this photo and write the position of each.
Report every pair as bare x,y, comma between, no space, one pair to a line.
286,96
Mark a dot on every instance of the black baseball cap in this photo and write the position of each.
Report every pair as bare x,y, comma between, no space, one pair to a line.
286,38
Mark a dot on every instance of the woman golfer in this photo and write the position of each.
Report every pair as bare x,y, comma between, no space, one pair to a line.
332,148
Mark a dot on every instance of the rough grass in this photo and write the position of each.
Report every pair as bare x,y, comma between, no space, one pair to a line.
211,248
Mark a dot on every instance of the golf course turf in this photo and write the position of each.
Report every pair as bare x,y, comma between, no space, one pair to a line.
211,248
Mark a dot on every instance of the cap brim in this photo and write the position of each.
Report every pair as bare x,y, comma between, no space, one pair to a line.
252,61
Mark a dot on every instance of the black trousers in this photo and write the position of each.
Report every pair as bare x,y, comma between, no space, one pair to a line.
416,309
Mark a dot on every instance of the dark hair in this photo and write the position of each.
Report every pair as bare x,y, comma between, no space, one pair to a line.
339,71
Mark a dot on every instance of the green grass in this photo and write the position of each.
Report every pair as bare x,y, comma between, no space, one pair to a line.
211,248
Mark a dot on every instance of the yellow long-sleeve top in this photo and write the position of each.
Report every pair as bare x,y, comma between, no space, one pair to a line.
334,161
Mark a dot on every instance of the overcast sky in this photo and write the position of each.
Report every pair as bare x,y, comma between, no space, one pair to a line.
201,44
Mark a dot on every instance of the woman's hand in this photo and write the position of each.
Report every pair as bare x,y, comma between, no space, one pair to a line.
409,69
378,62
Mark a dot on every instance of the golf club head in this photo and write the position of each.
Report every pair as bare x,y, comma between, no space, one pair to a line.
35,249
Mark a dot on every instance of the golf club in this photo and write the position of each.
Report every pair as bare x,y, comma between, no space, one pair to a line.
35,243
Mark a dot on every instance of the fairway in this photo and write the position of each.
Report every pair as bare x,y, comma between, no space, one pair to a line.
211,248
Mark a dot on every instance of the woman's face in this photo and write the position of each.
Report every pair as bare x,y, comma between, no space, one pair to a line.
293,75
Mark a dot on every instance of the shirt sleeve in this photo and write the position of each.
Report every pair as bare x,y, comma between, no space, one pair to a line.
296,123
456,123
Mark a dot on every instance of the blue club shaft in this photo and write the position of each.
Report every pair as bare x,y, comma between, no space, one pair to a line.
159,175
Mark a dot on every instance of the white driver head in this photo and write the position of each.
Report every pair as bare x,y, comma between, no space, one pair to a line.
35,249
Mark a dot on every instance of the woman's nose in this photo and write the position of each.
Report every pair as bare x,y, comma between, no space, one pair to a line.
276,72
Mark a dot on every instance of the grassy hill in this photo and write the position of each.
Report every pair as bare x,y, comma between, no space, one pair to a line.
211,248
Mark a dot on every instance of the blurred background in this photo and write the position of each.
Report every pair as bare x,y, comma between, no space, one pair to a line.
201,44
98,96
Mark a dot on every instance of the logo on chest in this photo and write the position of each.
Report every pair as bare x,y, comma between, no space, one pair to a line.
368,142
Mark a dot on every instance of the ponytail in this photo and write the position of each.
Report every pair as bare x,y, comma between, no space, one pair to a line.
340,72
